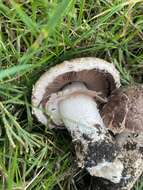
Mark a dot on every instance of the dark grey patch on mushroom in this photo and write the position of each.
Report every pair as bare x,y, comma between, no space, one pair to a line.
141,150
78,146
70,66
86,137
55,125
125,179
100,151
53,109
135,135
98,127
130,146
79,150
129,173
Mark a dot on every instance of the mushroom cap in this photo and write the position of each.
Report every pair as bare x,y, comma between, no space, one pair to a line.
124,110
97,75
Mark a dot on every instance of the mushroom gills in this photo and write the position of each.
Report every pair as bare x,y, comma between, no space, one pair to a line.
94,147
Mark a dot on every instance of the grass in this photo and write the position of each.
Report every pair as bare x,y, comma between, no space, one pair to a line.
35,35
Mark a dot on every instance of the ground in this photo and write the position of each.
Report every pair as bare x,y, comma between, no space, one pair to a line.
35,35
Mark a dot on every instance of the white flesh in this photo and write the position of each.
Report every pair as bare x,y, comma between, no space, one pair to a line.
111,171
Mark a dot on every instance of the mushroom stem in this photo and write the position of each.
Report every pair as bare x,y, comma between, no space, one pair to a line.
80,114
94,147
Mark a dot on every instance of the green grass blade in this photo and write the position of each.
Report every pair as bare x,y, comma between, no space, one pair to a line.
31,25
13,71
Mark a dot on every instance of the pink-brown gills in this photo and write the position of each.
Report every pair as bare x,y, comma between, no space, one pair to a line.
124,110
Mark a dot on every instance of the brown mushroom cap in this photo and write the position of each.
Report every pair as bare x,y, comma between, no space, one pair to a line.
124,110
97,74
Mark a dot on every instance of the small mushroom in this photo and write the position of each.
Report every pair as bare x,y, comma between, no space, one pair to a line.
123,115
71,94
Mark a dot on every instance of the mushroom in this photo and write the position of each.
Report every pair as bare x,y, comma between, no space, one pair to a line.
123,115
71,95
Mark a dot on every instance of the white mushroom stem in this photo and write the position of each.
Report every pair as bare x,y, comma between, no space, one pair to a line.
81,116
94,147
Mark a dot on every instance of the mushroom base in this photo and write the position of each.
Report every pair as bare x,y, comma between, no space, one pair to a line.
99,158
131,157
133,165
